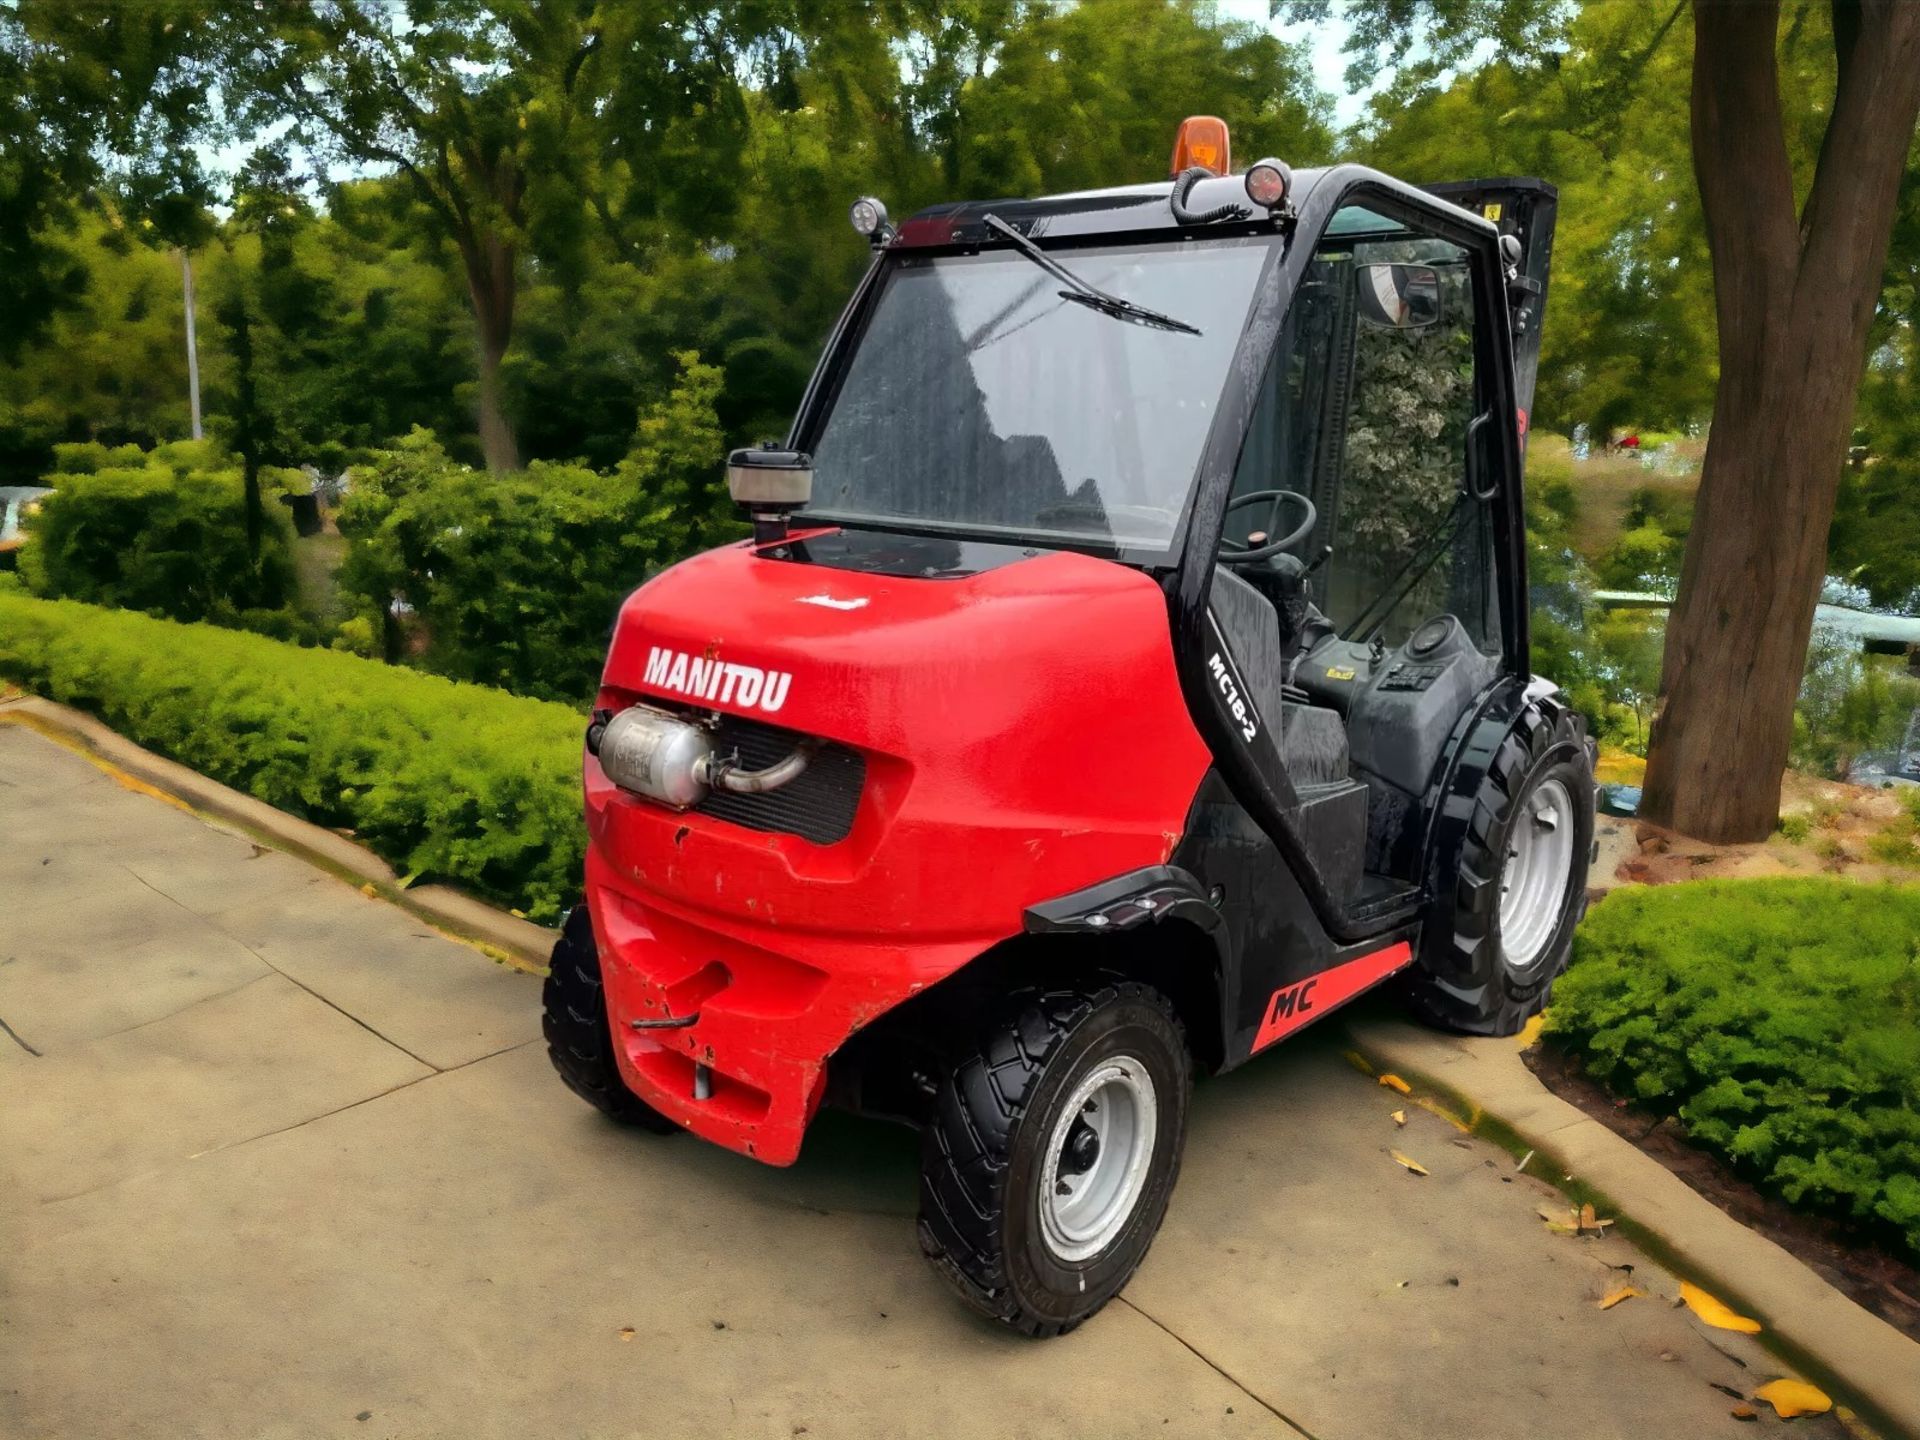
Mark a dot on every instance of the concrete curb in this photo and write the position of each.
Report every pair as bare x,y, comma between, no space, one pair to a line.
1804,1316
459,914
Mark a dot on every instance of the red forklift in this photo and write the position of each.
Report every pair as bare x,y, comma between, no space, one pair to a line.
1128,668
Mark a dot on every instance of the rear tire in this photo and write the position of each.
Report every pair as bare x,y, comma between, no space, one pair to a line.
1495,945
579,1039
1051,1153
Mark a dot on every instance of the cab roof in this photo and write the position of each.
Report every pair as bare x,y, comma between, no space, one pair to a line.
1134,209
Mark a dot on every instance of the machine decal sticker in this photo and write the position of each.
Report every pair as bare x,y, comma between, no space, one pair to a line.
1305,1001
703,677
1242,712
1233,690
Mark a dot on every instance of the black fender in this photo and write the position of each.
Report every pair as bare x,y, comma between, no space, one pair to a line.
1151,893
1463,763
1131,903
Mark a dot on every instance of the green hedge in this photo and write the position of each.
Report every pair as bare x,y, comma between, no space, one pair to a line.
449,781
163,531
1779,1020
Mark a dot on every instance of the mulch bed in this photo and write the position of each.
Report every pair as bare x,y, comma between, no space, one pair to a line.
1840,1254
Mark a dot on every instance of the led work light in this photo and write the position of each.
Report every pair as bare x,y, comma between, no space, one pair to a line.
1268,182
869,217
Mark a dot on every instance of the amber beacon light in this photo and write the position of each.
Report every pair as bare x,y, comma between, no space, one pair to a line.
1202,141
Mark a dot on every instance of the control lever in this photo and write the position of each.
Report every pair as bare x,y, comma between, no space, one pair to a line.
1326,554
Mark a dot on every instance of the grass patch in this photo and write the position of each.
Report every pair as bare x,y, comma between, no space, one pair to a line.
445,780
1899,842
1778,1020
1620,767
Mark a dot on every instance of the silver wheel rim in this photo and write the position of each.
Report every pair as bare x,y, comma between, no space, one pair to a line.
1088,1190
1533,886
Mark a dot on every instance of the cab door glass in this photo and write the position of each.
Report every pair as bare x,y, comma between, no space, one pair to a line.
1366,410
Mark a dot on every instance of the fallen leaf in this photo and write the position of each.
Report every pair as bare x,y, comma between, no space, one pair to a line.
1588,1220
1399,1117
1359,1062
1529,1032
1713,1312
1394,1082
1793,1397
1414,1165
1556,1224
626,1332
1851,1423
1614,1297
1744,1411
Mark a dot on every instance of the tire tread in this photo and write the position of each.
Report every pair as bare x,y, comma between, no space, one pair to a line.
579,1039
970,1132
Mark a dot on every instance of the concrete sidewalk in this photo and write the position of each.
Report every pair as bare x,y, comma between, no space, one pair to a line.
280,1160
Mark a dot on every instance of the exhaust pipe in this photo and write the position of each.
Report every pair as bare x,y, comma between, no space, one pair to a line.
663,758
720,774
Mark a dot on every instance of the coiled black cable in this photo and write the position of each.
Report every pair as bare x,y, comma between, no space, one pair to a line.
1183,187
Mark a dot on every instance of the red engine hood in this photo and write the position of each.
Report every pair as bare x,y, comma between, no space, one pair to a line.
872,659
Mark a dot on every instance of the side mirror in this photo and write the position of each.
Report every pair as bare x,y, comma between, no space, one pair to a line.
1399,297
769,485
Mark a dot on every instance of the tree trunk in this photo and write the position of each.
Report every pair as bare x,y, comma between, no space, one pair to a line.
1794,301
246,407
490,281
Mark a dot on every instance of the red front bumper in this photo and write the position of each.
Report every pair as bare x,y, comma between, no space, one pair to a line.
768,1020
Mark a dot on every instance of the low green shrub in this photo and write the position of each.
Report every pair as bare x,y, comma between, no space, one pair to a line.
448,781
164,531
1779,1020
87,457
1641,556
1664,507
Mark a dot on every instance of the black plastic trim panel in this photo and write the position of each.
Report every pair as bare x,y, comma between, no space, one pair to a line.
819,805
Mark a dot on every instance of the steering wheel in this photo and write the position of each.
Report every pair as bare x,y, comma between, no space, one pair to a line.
1234,553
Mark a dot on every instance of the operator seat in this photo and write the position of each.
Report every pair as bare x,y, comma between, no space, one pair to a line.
1282,581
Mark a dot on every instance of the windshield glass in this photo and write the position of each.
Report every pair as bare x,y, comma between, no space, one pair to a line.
978,399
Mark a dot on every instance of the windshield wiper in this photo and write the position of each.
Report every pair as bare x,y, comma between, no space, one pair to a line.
1082,293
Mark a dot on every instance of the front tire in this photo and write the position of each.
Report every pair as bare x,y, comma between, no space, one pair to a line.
579,1039
1051,1153
1498,941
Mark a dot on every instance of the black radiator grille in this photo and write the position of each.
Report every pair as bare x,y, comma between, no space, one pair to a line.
818,806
